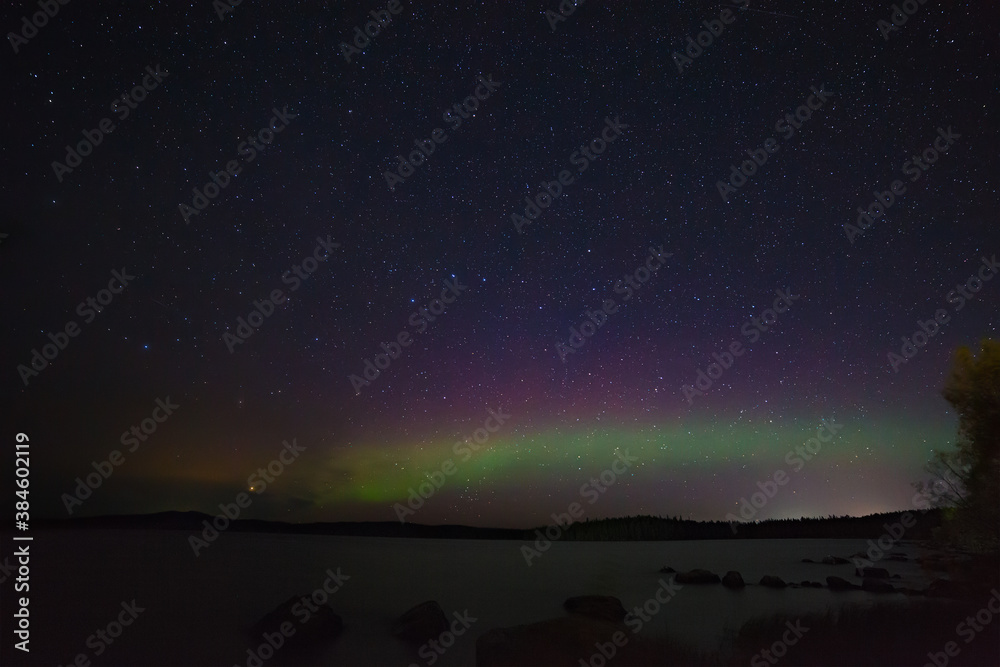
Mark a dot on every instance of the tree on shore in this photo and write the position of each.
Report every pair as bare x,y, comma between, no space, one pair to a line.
968,478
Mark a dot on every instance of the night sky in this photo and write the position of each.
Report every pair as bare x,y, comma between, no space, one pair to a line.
645,195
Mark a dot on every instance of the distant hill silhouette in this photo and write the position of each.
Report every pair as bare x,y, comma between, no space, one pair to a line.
629,528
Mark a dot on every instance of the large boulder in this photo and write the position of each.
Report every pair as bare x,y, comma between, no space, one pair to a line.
697,577
600,607
838,584
835,560
321,626
770,581
872,572
420,624
877,585
733,579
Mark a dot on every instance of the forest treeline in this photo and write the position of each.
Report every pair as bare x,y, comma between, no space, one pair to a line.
628,528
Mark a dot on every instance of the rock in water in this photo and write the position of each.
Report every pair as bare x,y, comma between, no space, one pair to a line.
872,572
733,579
322,626
838,584
697,577
420,624
772,582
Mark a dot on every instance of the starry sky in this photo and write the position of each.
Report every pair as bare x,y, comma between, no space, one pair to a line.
504,343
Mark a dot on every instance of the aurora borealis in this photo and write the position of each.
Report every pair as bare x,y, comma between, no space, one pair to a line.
527,287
